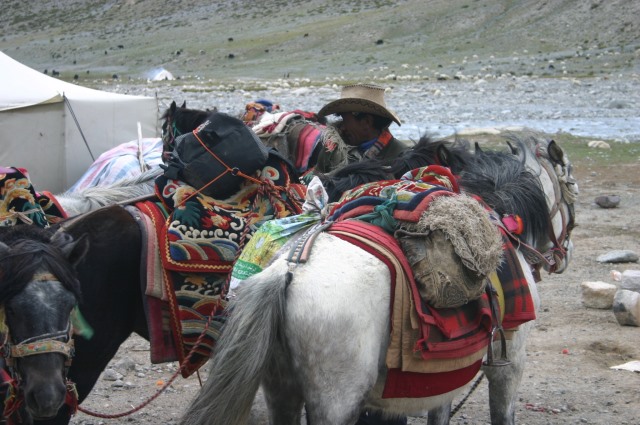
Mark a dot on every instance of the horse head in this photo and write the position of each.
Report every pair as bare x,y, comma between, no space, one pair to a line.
547,160
38,292
178,121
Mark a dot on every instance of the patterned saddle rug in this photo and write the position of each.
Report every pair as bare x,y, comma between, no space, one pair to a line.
433,349
20,203
198,239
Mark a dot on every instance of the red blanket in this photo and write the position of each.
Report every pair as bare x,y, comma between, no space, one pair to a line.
448,343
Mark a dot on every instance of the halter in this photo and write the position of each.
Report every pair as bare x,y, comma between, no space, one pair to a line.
172,131
52,342
559,175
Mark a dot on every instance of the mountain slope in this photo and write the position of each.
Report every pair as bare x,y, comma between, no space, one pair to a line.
313,39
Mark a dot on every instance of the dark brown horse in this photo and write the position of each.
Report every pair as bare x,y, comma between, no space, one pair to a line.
38,291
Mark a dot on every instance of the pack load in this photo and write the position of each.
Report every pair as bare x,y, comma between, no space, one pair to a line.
213,157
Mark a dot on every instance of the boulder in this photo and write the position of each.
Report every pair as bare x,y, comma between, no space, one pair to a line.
598,294
618,256
607,201
626,307
630,280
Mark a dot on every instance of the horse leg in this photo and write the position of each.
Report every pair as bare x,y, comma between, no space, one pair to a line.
505,380
282,392
440,415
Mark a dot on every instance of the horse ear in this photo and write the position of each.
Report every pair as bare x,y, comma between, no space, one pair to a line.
443,156
173,107
513,149
184,105
477,147
73,250
555,152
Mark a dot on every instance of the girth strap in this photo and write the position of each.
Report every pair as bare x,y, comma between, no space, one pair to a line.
301,248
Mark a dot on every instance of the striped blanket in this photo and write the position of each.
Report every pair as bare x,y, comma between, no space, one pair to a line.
123,161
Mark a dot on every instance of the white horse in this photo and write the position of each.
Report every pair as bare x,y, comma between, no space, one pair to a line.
315,335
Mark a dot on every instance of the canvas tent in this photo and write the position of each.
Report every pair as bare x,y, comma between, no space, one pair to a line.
56,129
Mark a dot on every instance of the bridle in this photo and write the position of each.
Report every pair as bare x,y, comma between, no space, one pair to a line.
60,341
565,192
169,133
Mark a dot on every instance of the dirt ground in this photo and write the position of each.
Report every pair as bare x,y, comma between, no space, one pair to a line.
568,379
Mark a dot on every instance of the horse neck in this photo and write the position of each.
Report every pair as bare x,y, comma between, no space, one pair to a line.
187,120
560,214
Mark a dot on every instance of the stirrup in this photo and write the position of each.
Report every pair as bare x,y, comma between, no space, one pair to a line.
504,359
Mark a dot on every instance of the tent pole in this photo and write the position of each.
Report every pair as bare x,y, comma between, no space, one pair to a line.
73,114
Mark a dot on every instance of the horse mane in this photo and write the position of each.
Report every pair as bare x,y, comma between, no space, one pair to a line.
186,119
122,190
453,154
503,182
30,250
500,178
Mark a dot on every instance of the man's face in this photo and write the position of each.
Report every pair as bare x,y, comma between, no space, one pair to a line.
357,130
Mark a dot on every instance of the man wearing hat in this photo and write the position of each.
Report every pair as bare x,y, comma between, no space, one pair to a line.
364,128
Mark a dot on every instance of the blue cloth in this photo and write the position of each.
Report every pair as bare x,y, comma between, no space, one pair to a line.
363,147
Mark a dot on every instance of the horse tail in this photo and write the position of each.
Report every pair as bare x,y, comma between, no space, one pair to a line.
243,351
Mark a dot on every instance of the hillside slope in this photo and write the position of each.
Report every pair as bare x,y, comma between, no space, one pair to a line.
314,38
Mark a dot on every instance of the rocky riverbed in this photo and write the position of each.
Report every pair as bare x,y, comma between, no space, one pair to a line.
606,108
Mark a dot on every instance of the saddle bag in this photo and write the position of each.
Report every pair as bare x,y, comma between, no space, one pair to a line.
210,157
452,250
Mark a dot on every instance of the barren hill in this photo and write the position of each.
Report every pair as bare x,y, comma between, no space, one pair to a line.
314,38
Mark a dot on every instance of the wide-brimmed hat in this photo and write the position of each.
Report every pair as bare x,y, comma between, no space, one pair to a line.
367,98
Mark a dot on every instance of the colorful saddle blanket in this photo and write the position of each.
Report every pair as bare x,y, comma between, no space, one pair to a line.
453,341
295,134
199,239
404,199
20,203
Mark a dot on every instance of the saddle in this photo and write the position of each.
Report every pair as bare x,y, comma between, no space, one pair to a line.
193,241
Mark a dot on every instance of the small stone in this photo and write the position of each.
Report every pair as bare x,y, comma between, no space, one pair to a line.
111,375
607,201
618,256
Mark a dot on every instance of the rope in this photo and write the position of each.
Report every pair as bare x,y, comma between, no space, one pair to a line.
471,390
159,391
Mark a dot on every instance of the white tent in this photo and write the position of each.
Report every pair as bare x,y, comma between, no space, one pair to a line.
56,129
